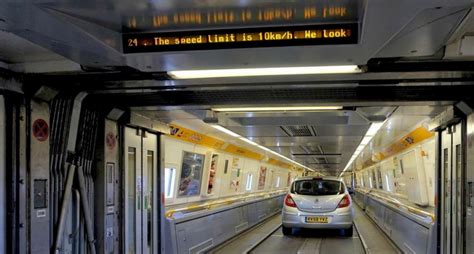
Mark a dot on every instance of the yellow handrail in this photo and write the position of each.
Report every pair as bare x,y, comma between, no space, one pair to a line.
226,201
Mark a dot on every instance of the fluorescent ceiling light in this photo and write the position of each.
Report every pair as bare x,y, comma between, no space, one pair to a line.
365,141
265,148
252,72
225,130
249,141
374,128
266,109
371,132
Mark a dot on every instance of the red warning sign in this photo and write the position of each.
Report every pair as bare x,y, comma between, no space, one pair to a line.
40,130
110,140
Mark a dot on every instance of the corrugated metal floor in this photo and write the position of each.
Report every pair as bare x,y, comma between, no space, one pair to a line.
311,241
305,241
246,240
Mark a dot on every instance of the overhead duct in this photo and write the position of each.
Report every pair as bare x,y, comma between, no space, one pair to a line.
298,131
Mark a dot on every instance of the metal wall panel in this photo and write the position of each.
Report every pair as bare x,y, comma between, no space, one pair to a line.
376,211
39,175
107,196
2,177
252,214
409,234
200,231
470,185
359,198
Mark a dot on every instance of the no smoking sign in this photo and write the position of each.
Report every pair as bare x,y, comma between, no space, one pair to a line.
110,140
40,130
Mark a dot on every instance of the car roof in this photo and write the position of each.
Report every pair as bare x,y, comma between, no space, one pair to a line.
332,178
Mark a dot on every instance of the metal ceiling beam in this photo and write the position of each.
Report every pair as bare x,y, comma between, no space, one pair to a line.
109,82
317,155
311,163
290,95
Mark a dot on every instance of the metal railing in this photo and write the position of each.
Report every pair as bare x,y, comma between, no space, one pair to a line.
398,204
223,202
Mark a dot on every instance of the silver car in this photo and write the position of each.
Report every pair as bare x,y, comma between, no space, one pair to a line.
315,202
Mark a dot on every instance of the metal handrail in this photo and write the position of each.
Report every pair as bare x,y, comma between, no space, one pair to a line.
411,209
218,203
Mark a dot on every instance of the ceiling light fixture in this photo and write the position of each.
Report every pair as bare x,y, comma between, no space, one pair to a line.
252,72
233,134
249,141
369,135
269,109
225,130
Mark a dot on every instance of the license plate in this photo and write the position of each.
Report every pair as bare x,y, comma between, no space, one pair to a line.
317,219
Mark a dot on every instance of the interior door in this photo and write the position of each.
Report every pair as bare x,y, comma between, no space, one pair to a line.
452,204
469,194
457,190
140,195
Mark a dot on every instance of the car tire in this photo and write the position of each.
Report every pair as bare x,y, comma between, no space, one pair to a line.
286,231
349,232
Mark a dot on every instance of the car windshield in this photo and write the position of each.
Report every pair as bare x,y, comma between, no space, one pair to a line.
318,187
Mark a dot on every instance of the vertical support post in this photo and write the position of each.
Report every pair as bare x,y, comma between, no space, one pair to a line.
64,205
38,181
22,206
77,224
3,184
86,211
106,185
469,181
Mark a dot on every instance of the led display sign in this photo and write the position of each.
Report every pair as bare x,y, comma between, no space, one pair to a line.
331,34
275,14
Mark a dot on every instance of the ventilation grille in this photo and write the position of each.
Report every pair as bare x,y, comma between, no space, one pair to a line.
298,131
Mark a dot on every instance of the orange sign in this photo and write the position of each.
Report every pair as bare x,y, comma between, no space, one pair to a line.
409,140
243,152
214,143
195,137
416,136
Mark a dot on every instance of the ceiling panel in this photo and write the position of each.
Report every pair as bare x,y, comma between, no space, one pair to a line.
341,130
312,119
14,49
310,141
403,120
89,32
259,131
298,130
330,148
325,138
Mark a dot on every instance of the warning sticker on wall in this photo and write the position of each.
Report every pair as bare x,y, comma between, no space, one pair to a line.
110,140
40,130
40,213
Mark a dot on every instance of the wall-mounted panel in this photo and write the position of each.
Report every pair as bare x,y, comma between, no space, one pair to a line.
39,178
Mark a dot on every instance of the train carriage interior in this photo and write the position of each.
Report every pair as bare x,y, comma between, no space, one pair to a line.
236,126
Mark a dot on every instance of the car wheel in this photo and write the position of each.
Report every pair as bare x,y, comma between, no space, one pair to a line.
286,231
348,232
